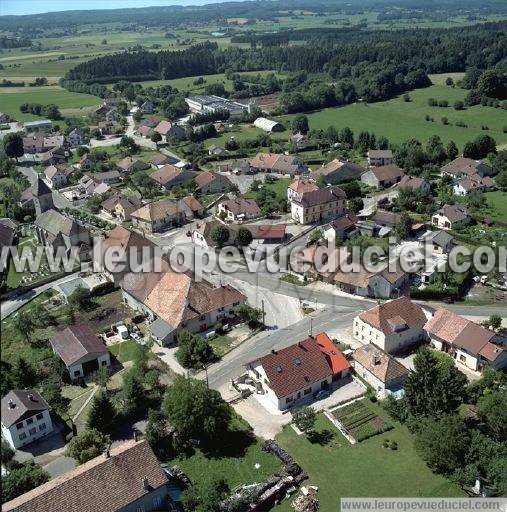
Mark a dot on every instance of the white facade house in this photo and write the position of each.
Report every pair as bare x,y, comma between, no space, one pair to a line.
80,349
25,417
318,205
392,326
451,216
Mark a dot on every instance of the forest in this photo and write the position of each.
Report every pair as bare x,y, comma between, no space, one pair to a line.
371,65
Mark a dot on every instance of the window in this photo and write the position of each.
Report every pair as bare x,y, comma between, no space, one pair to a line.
32,431
29,421
157,501
288,400
39,416
77,373
19,426
22,436
104,363
307,391
42,426
462,358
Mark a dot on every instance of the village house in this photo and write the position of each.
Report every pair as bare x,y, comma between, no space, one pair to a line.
76,137
57,176
383,372
380,157
278,164
191,207
107,177
320,261
90,185
393,326
25,418
111,101
215,150
86,162
40,195
158,215
338,171
126,478
108,127
342,228
131,164
40,143
170,176
319,205
56,230
147,107
81,350
383,176
385,222
236,167
462,167
468,343
414,183
121,206
159,160
239,209
151,121
474,183
175,301
298,186
113,115
144,131
8,234
268,125
132,249
209,182
201,235
439,241
291,376
451,216
170,131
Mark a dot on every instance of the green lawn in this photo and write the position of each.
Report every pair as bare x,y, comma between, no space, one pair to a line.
364,469
399,120
11,101
233,458
124,351
497,202
279,187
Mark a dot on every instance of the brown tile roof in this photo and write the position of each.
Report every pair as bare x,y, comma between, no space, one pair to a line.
206,177
386,317
101,484
412,182
19,404
164,127
467,166
124,238
129,203
127,162
387,172
176,297
277,162
347,170
160,159
456,330
379,363
320,196
380,153
76,342
239,205
166,174
144,130
192,203
157,210
303,185
492,352
296,367
383,217
344,222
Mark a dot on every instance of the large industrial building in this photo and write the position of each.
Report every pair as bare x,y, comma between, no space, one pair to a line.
211,103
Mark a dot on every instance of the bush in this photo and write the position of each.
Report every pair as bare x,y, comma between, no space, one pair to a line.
393,445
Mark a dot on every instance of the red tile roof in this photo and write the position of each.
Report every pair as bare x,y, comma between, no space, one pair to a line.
75,342
492,352
336,360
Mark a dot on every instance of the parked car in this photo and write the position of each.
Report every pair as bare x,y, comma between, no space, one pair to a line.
323,393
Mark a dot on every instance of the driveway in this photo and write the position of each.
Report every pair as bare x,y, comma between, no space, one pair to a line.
267,421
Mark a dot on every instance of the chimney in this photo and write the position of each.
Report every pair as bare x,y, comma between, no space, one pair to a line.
30,397
135,435
12,405
106,454
273,351
375,359
146,485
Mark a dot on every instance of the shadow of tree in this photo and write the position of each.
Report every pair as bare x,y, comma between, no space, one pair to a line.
232,443
323,437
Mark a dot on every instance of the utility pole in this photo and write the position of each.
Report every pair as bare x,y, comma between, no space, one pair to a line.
263,313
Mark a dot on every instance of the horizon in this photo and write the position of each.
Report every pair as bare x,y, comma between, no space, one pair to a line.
28,7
